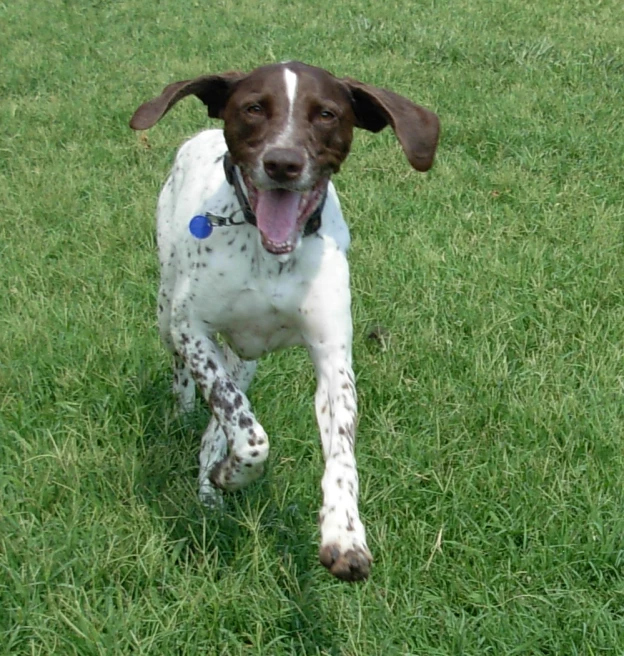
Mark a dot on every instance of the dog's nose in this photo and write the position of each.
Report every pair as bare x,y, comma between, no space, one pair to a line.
283,164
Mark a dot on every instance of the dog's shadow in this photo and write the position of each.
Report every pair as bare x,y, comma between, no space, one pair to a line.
167,483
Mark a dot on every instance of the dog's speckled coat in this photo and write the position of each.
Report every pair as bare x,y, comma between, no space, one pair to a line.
231,284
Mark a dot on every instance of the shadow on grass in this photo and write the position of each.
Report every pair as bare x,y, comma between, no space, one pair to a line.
166,482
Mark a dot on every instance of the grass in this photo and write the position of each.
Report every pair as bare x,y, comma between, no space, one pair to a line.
492,418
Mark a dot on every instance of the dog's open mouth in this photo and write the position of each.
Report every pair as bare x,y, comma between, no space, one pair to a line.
281,214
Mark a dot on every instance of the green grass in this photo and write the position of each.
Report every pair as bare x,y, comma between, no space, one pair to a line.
491,428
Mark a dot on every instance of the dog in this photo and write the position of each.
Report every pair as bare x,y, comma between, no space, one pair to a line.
252,246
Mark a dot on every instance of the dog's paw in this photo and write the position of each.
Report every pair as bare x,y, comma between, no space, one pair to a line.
351,565
244,462
210,496
230,474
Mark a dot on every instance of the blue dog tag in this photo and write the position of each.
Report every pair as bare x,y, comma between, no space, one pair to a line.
200,227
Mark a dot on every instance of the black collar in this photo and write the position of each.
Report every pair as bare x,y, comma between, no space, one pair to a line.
313,223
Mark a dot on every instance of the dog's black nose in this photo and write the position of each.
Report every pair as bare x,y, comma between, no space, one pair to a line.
283,164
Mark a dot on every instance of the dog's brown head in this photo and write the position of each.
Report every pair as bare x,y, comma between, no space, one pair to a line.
289,127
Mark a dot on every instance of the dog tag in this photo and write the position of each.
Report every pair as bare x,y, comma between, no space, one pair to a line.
200,227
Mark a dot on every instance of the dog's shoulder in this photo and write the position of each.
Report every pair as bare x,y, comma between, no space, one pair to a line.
196,183
333,225
204,144
201,158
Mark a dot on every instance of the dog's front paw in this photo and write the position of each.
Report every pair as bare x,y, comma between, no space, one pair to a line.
244,463
210,496
231,474
351,565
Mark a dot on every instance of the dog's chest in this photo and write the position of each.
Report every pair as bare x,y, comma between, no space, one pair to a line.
248,296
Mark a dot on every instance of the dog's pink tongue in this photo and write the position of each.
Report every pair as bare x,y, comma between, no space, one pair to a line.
276,214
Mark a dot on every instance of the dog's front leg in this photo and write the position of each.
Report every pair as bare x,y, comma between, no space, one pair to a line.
234,446
343,539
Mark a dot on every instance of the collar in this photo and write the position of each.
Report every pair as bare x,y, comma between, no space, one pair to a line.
313,223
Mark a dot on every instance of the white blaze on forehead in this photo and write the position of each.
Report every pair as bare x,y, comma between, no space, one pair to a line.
290,85
290,79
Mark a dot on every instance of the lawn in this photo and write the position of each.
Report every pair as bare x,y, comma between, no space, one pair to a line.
491,431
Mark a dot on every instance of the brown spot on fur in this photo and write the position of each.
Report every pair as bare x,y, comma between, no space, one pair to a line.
244,421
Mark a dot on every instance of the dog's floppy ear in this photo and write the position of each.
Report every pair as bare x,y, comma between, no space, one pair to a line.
416,128
212,90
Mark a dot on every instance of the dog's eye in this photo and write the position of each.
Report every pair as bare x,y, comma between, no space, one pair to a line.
327,115
255,109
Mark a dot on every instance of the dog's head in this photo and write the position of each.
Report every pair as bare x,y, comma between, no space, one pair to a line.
288,127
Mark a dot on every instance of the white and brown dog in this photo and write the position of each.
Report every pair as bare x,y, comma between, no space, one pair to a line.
253,248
